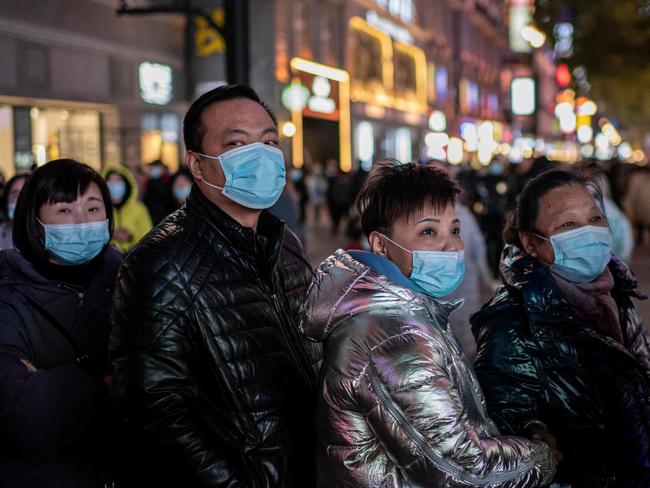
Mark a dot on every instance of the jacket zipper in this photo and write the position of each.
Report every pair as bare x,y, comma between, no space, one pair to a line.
80,294
295,348
459,357
439,461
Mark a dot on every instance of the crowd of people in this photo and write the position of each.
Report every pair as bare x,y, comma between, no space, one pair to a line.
185,339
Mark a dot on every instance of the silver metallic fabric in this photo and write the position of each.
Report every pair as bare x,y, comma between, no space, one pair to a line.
399,404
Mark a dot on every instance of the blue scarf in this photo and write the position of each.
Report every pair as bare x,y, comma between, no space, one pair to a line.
385,267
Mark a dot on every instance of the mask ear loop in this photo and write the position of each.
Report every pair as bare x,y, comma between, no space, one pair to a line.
390,240
538,234
218,158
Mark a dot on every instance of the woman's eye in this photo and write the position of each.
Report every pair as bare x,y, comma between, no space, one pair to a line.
64,210
598,218
568,224
272,142
428,232
94,209
235,143
456,232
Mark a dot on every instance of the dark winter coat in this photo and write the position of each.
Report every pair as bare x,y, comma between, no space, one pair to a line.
211,375
537,361
53,422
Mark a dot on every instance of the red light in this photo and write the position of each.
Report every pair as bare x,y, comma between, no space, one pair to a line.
562,75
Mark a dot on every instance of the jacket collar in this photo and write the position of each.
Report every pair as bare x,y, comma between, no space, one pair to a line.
345,286
541,296
264,242
18,271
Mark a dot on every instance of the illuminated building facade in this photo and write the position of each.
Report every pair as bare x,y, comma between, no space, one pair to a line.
417,71
79,81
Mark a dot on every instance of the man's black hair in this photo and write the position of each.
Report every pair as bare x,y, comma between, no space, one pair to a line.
193,129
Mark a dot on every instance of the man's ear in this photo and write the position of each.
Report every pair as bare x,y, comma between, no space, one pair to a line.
377,243
193,163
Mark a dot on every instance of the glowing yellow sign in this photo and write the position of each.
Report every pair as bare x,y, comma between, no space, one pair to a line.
207,40
343,79
401,80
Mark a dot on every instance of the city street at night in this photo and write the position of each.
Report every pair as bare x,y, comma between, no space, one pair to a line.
324,243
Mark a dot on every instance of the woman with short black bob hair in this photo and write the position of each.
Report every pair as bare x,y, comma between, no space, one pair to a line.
562,353
55,296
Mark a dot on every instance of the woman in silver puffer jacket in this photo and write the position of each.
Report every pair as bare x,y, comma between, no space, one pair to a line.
399,405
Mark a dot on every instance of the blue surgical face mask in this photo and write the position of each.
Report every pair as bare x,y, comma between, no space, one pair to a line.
155,172
255,175
296,175
182,192
581,255
437,273
11,211
117,189
496,169
74,244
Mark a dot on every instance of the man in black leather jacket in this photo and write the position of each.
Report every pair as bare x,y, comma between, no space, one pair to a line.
212,379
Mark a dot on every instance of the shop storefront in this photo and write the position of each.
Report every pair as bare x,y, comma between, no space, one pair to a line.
319,100
391,81
159,127
159,138
34,131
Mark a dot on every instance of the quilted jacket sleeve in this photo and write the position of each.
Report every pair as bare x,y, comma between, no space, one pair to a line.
506,372
154,379
415,409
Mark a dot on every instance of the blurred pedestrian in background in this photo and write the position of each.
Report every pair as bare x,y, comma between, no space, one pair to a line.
637,202
339,199
399,404
492,192
562,353
317,188
9,199
212,377
132,220
181,183
158,196
2,188
55,299
298,178
619,224
287,209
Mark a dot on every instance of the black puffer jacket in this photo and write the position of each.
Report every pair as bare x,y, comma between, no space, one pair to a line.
211,375
55,422
537,361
